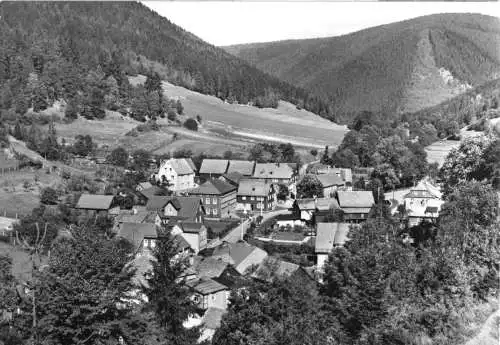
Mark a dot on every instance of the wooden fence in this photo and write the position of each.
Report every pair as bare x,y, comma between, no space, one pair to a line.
9,170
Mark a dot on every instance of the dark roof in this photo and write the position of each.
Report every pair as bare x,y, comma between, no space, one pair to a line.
145,185
214,166
243,167
233,177
192,227
187,206
94,202
213,187
236,252
158,202
136,232
206,286
328,180
181,242
150,192
288,216
210,267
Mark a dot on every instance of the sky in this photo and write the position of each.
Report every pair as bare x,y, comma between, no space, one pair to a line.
232,22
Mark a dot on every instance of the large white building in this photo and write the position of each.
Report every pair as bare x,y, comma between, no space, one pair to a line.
178,172
423,202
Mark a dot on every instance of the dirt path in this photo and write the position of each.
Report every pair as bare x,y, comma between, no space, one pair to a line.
488,335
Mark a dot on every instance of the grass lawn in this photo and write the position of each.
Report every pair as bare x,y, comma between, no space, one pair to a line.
220,228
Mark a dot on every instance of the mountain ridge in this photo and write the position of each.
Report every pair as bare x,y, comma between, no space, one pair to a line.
361,70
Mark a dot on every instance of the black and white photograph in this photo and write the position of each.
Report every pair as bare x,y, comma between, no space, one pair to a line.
249,172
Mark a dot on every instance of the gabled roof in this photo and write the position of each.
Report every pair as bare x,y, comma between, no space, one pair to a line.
206,286
95,202
329,235
210,267
214,166
136,232
273,170
274,267
253,187
236,253
233,177
355,199
214,187
186,206
138,217
321,204
181,166
150,192
331,179
245,168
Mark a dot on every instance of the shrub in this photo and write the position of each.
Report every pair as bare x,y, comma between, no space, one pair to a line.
191,124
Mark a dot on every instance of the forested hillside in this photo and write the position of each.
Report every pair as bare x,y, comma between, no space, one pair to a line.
52,51
394,68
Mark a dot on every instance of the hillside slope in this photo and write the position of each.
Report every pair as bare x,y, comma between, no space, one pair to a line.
398,67
126,36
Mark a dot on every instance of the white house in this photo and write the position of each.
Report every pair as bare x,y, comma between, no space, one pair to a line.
422,203
179,173
194,233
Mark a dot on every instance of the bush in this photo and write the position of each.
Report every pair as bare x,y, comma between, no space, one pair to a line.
191,124
48,196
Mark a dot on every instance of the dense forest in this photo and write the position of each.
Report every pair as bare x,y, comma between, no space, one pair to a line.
375,69
82,53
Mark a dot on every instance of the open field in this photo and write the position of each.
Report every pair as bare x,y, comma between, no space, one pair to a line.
437,152
107,131
283,124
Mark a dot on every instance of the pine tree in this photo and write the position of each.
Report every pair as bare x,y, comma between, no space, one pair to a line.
84,292
169,298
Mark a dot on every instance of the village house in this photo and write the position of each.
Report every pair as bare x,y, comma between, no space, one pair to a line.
240,254
277,173
208,293
143,236
328,236
272,268
312,209
245,168
218,197
256,195
179,173
422,203
194,233
233,177
356,205
93,204
135,216
213,168
177,208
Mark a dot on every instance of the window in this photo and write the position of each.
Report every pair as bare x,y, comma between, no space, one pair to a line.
252,198
214,211
153,244
214,201
243,198
146,243
207,201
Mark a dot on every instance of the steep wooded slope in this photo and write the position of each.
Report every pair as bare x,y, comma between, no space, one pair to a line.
398,67
92,35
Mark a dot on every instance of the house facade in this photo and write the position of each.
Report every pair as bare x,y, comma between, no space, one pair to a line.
422,203
356,205
193,233
178,173
218,197
208,293
256,195
277,173
182,208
